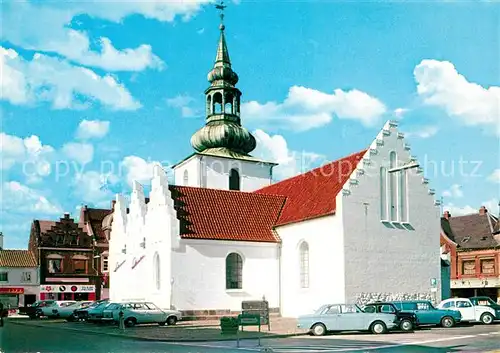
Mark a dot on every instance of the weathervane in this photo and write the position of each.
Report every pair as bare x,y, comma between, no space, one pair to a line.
221,8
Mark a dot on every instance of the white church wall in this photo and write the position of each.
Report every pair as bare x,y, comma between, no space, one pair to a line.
389,260
213,172
324,237
146,232
199,274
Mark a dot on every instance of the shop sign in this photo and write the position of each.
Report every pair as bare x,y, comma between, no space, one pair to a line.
67,288
4,290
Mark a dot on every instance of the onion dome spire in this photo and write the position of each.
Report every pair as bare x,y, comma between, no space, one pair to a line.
223,128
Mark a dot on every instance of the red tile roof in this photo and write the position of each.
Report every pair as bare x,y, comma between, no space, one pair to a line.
17,258
226,215
312,194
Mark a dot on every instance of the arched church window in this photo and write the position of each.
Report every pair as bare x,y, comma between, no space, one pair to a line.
234,271
383,193
234,180
217,103
393,188
228,104
186,178
304,265
156,271
209,105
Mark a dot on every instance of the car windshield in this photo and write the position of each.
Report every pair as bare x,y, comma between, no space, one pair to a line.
321,309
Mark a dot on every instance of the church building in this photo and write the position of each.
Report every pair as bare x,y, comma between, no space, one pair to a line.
361,228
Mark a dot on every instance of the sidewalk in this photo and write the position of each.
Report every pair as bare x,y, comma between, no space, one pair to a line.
201,331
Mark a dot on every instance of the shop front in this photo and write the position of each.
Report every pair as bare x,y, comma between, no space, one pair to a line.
67,292
18,296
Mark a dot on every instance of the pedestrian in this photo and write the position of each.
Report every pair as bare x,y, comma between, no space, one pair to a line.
1,314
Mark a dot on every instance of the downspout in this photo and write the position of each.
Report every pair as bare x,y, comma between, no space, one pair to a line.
271,174
279,280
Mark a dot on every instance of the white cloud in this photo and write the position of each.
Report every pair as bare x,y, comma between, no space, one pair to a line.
423,132
48,27
495,176
183,102
137,169
439,84
88,129
18,198
56,81
34,157
491,206
82,153
93,187
275,149
306,108
400,112
455,191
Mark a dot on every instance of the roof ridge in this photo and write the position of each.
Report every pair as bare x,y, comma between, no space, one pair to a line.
226,191
314,169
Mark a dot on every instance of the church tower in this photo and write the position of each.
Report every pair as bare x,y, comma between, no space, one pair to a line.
222,159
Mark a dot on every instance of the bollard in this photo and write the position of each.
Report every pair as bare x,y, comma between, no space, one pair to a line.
122,321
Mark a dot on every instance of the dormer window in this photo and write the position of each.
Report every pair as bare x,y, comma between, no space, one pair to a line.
466,239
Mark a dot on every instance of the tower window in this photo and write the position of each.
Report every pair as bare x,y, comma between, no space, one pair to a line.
234,271
403,209
186,178
217,103
234,180
209,105
156,265
228,103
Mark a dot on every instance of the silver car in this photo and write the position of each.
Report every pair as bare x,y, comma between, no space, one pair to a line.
346,317
140,313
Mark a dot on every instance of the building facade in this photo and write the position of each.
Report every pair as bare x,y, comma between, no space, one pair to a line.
350,231
19,280
473,244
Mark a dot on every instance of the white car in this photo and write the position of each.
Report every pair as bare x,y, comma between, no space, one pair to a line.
140,313
469,311
48,310
67,312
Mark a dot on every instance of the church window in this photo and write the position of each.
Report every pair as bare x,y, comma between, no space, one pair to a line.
383,193
393,186
403,209
304,265
234,180
217,103
228,103
186,178
234,271
156,269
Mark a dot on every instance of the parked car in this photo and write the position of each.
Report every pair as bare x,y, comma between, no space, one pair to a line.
469,311
427,314
140,313
32,310
346,317
407,321
94,313
47,310
66,311
487,301
83,313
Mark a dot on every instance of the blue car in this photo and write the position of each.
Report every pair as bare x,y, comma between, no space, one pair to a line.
427,314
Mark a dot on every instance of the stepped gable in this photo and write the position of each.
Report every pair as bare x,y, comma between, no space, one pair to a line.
213,214
312,194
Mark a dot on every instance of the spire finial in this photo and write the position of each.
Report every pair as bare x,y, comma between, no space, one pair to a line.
221,8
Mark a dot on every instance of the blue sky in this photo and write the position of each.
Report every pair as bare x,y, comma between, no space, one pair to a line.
93,93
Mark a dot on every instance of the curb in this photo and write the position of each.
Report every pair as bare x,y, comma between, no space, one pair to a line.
139,338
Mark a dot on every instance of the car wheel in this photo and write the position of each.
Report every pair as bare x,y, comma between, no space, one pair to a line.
130,322
447,322
406,325
171,320
318,330
378,327
487,318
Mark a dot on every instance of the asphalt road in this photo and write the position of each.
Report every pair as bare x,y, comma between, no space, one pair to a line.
21,338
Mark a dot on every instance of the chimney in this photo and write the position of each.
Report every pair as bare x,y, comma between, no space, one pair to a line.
446,214
483,211
1,241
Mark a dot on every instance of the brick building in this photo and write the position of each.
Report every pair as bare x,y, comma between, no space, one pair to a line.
473,245
72,256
